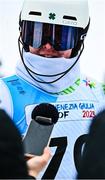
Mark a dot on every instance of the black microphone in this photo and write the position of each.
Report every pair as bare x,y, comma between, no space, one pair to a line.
44,116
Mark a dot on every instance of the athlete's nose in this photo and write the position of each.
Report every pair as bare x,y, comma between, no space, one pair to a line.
47,46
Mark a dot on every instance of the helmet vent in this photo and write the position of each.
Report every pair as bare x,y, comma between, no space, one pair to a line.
35,13
70,18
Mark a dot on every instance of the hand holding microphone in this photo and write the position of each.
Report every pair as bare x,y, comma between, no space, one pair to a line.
44,116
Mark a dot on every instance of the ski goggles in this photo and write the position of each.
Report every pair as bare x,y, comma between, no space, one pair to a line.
37,34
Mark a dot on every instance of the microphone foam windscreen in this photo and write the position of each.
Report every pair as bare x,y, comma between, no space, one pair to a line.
46,110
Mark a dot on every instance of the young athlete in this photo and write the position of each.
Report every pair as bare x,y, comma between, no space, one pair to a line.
51,42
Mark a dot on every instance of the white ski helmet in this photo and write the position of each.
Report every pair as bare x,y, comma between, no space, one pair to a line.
63,23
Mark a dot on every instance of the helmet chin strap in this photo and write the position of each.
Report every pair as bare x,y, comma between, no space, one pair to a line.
32,73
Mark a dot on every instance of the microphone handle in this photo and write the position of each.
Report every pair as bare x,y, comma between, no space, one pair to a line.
37,138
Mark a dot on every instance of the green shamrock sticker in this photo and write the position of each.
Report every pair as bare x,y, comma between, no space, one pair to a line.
52,16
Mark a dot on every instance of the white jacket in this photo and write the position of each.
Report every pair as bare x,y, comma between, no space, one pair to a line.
77,105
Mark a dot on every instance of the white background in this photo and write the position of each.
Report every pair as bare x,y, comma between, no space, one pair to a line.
93,57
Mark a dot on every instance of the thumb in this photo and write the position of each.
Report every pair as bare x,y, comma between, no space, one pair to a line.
46,154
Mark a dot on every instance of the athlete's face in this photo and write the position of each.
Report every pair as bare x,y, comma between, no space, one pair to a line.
48,51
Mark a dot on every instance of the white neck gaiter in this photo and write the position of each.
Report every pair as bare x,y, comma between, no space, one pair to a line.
48,66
